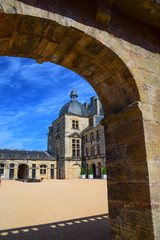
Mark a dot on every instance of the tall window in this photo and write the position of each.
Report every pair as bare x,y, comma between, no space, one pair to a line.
86,138
98,149
43,169
86,152
91,136
97,134
58,127
92,151
2,168
75,124
75,147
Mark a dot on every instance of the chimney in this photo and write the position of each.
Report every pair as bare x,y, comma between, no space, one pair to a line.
92,99
86,105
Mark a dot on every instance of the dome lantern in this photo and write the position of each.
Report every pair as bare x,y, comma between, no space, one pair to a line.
73,94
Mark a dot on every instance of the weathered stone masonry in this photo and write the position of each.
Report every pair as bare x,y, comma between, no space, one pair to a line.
115,46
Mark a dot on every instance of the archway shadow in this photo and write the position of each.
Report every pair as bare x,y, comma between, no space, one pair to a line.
90,228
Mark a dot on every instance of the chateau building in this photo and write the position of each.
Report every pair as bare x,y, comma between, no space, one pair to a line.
75,139
70,138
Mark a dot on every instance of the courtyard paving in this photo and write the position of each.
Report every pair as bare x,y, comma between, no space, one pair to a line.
54,210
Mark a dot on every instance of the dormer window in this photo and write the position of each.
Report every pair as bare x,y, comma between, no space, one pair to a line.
75,124
91,121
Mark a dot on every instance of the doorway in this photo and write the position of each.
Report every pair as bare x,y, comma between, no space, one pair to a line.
23,171
94,170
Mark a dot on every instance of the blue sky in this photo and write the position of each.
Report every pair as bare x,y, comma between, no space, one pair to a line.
31,96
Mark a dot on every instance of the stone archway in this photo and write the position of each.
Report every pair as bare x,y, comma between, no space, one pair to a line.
23,171
118,65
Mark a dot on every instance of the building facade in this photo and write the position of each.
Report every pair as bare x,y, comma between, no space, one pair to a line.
67,138
94,149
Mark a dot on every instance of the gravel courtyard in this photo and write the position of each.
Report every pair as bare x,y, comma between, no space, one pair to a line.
53,209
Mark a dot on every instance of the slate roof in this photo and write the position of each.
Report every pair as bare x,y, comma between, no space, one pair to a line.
74,108
7,154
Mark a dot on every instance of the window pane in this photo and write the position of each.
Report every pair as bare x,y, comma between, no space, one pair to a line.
73,124
77,153
73,153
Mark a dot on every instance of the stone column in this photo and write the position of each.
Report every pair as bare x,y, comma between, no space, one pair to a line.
130,214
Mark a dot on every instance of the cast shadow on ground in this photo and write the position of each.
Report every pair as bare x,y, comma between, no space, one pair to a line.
89,228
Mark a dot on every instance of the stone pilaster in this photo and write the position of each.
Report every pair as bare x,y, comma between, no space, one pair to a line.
7,172
30,173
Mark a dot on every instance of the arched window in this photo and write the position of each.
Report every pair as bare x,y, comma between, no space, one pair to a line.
43,169
1,168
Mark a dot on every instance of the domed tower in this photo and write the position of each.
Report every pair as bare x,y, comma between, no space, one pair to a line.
65,137
74,107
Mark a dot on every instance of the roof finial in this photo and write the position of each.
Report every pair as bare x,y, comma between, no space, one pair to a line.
74,94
